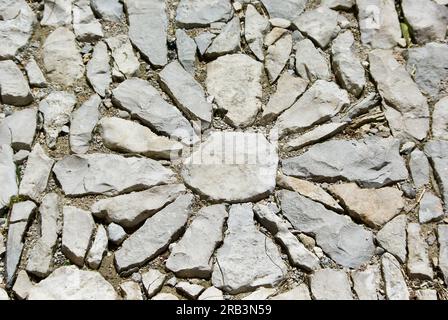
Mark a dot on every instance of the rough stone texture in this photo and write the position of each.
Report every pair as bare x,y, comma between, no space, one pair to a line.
7,176
300,292
16,26
127,136
260,294
14,248
20,129
228,41
374,162
317,105
392,237
431,208
418,257
153,281
440,120
191,256
406,109
320,24
256,27
85,25
156,233
378,23
437,151
61,57
329,284
395,285
232,167
130,209
56,109
429,65
111,10
247,259
98,248
191,291
131,290
289,88
186,51
91,174
57,13
98,69
426,294
235,82
116,234
14,88
144,102
22,285
366,283
83,121
125,61
310,62
427,19
70,283
339,4
442,233
344,241
186,92
287,9
77,232
277,57
419,168
201,13
347,66
35,76
149,15
317,134
203,41
35,178
211,293
374,207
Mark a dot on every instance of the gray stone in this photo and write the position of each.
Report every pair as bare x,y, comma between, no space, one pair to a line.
329,284
232,167
301,292
277,56
347,66
374,207
255,28
317,105
14,248
16,26
235,82
247,259
22,211
419,168
77,233
56,108
378,23
108,174
203,41
310,62
35,76
98,248
22,285
186,92
131,209
227,42
116,233
437,151
347,243
289,88
20,156
287,9
153,281
274,35
14,88
201,13
165,296
339,4
110,10
37,173
211,293
21,126
427,19
82,122
373,162
70,283
366,283
280,23
125,60
186,51
406,108
317,134
190,290
191,256
429,65
2,245
298,255
426,294
440,120
431,208
39,259
396,288
86,26
151,15
320,24
442,232
131,137
98,69
143,101
418,264
392,237
3,295
57,13
61,57
260,294
131,290
156,234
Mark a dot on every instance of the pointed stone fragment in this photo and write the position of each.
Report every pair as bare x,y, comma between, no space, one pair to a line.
98,69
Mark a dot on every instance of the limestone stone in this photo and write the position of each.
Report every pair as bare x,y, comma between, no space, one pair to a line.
256,26
227,42
131,290
366,282
211,293
392,237
437,151
431,208
21,126
14,88
190,290
442,232
186,51
419,168
301,292
116,234
322,132
201,13
57,13
22,285
440,119
418,264
288,9
110,10
277,56
98,248
330,284
125,61
98,69
396,288
85,25
153,281
310,62
35,76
